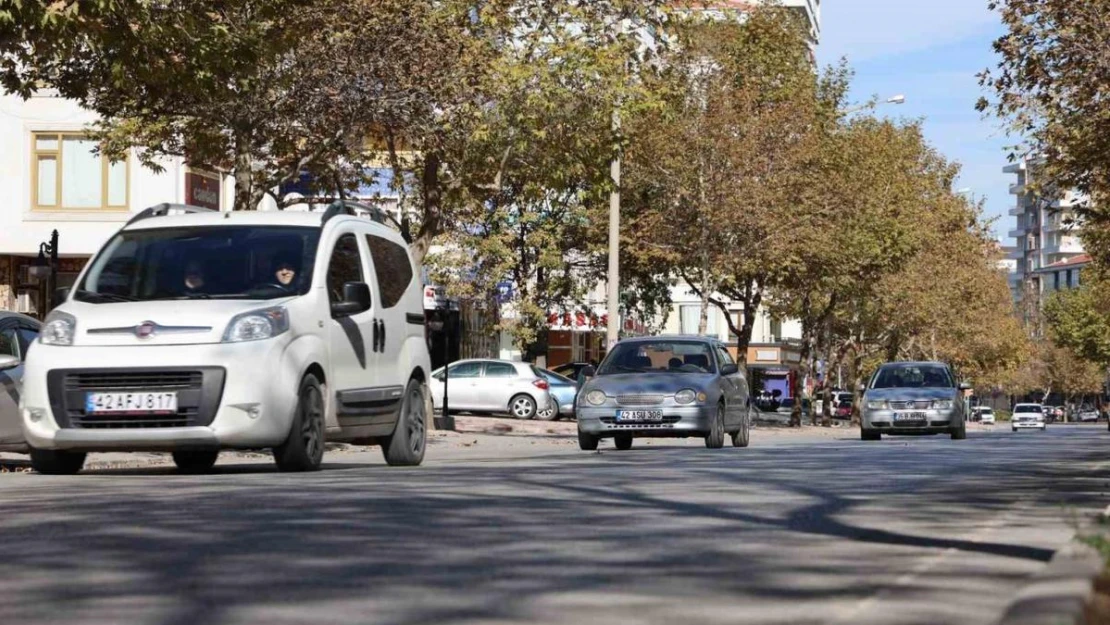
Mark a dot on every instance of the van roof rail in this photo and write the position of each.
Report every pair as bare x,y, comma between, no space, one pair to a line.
350,207
166,208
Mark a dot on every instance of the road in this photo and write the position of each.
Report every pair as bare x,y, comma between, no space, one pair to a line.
792,530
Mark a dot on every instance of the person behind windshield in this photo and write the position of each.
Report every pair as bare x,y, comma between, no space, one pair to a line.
285,272
194,277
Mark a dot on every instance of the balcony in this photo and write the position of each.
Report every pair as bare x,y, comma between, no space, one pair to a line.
1017,189
1017,233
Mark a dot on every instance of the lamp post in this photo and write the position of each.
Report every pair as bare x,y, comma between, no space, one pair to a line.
46,269
898,99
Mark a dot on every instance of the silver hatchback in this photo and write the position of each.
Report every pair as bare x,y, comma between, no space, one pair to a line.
499,386
913,398
665,387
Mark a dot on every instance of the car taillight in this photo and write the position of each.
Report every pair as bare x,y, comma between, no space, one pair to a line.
541,384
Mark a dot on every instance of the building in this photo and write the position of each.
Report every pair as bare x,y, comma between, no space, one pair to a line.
1063,275
1044,233
810,10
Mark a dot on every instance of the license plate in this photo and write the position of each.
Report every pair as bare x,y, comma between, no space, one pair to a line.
134,403
639,415
909,416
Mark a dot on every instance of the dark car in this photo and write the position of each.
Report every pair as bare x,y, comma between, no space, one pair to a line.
17,333
665,387
570,369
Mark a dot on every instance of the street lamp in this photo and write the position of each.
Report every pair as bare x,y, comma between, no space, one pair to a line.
45,267
898,99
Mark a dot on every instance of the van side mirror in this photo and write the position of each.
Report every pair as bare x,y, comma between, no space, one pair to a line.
729,369
8,362
61,294
356,299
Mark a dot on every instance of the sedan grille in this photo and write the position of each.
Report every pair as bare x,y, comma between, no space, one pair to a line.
639,400
911,405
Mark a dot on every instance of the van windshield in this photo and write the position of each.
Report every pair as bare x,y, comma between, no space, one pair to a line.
211,262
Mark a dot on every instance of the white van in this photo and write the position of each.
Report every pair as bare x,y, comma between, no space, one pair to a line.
193,331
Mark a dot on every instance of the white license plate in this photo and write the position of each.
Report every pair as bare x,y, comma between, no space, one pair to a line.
135,403
909,416
639,415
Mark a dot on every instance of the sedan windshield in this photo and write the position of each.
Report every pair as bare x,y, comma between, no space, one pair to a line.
222,262
913,376
1033,409
659,357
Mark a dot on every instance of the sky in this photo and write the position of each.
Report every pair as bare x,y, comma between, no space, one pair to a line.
930,51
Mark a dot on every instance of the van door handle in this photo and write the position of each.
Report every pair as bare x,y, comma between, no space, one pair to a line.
381,345
374,337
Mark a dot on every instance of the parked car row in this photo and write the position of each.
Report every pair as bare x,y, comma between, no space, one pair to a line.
504,387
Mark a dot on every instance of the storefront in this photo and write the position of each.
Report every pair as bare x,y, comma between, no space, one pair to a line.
773,367
20,292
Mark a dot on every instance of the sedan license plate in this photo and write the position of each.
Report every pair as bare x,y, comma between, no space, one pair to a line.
639,415
909,416
134,403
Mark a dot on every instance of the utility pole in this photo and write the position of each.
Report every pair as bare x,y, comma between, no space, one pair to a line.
613,296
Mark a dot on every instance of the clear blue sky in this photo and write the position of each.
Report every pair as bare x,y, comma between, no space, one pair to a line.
930,51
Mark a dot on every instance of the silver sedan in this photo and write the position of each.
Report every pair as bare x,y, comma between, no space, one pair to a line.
913,398
665,387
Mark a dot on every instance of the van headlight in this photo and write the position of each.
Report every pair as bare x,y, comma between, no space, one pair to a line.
596,398
59,329
257,325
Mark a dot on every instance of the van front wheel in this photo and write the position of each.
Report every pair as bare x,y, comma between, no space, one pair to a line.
56,462
303,449
405,447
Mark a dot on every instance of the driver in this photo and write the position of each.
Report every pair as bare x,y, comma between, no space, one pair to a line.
285,272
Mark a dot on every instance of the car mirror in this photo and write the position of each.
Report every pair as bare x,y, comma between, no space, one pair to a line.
964,386
729,369
589,372
356,299
8,362
60,296
861,388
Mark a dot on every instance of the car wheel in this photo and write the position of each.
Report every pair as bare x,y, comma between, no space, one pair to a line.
303,449
715,439
587,442
195,461
522,407
1014,429
870,435
960,433
741,437
56,462
551,413
405,447
623,441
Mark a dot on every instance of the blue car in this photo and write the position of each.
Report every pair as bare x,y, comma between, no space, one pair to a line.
563,392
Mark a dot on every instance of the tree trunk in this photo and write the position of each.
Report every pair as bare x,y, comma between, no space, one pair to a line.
429,182
247,193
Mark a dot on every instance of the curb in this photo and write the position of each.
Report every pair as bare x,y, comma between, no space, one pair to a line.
1057,594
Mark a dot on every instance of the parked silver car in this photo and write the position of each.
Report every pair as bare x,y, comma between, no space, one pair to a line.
665,387
17,333
499,386
913,398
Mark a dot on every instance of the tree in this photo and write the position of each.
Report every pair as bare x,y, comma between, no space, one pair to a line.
263,90
1052,84
1079,319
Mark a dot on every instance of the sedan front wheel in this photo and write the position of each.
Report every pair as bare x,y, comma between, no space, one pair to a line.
715,439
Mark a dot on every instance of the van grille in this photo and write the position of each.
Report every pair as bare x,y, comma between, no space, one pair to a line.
198,396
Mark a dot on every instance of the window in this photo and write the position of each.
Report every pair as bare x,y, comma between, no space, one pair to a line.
500,370
1069,278
67,174
465,370
345,266
26,338
1056,280
776,330
691,315
724,356
392,267
9,346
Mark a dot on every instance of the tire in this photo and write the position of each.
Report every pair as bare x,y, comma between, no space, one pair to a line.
623,441
303,449
195,461
870,435
959,434
1014,429
549,415
57,462
741,437
522,407
405,447
587,442
715,439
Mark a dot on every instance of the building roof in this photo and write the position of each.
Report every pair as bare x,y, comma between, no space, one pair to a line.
1068,263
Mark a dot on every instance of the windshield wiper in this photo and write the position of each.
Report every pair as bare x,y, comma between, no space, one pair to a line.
107,297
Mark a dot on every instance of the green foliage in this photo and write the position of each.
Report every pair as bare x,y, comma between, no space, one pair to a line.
1080,320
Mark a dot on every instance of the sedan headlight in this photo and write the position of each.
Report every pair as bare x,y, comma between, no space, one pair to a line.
257,325
944,404
685,396
596,398
59,329
876,405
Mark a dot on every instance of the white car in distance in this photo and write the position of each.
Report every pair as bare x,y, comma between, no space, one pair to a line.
1028,417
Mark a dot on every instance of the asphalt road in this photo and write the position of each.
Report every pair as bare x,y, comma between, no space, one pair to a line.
792,530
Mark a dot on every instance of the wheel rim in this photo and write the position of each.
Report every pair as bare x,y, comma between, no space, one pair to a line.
312,412
415,421
522,407
550,412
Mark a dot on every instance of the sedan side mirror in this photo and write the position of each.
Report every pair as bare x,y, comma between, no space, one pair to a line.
589,372
356,299
964,386
729,369
8,362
